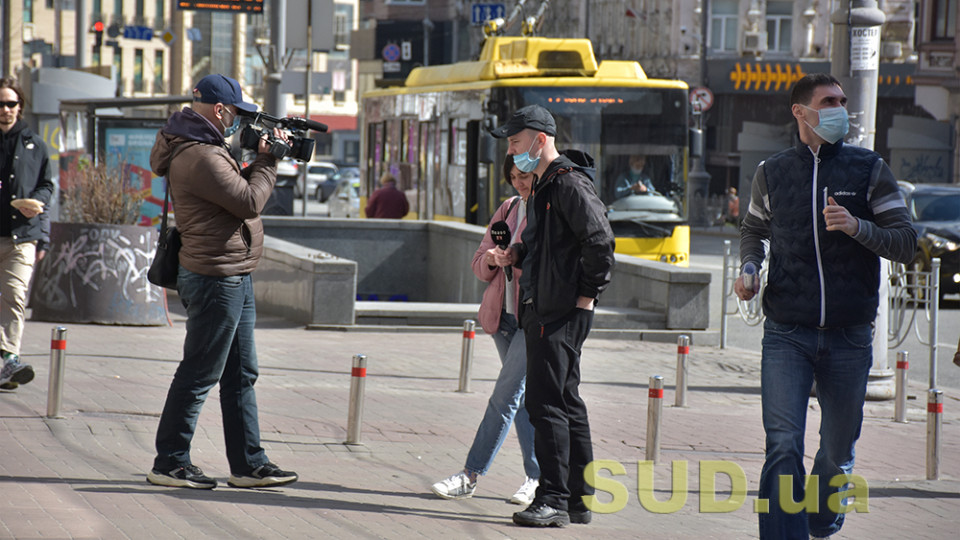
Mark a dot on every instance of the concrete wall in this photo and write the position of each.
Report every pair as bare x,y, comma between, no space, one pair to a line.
305,285
430,262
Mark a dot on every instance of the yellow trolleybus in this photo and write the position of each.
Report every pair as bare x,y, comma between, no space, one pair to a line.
432,133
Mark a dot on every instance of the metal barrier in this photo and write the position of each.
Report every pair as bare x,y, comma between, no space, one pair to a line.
466,355
358,378
750,311
654,412
900,397
934,432
58,360
914,292
683,349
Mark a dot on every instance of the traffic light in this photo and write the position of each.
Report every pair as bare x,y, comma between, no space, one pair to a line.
97,29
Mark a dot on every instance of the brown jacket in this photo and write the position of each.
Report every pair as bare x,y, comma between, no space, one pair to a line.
217,205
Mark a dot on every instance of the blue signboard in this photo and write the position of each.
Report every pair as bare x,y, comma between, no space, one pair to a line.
480,13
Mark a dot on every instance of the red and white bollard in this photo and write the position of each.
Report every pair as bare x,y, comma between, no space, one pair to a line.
934,432
466,355
654,411
900,395
58,357
358,378
683,350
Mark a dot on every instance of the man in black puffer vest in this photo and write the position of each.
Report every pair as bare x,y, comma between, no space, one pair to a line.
830,211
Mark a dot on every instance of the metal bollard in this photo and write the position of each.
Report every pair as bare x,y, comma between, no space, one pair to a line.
358,378
683,349
654,410
724,293
900,396
58,357
934,430
466,355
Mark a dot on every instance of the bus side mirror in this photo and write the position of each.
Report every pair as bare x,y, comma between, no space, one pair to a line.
696,143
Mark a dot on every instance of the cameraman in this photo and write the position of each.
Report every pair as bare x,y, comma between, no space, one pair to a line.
217,206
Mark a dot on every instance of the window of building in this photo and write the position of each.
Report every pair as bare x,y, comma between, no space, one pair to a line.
28,11
944,18
158,20
342,25
405,2
138,70
723,25
158,71
779,25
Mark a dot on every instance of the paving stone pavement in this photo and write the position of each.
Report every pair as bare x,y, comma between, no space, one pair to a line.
83,475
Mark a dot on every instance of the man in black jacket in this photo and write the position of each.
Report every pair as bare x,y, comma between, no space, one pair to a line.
566,256
24,174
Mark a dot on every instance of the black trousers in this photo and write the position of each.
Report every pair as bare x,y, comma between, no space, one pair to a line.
558,414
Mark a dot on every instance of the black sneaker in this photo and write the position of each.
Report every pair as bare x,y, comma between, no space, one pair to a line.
580,514
14,373
268,475
190,477
541,515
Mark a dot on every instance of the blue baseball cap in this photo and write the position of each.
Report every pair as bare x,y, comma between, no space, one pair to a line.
221,89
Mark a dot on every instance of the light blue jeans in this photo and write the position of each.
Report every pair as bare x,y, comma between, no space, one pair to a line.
839,360
505,405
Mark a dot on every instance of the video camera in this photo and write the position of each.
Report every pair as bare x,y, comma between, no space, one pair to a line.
300,146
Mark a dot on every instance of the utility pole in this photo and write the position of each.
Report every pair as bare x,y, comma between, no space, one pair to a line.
80,27
855,62
698,180
276,53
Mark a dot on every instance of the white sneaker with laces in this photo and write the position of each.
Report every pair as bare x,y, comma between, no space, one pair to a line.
527,491
457,486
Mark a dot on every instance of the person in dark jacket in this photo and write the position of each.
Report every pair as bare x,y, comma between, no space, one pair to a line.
387,202
218,208
25,188
829,211
566,257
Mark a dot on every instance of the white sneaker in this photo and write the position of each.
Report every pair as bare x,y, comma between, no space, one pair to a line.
525,494
457,486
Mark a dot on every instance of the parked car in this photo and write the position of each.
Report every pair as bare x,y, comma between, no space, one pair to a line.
345,200
935,209
324,189
287,172
321,179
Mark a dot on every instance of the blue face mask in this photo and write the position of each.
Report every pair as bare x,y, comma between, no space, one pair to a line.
229,131
524,162
833,124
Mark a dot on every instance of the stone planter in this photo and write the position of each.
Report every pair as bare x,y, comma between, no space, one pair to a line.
97,273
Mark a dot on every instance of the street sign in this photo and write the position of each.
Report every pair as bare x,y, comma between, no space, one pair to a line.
701,99
144,33
481,13
391,52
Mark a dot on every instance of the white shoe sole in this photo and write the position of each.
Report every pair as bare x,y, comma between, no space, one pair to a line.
449,497
169,481
269,481
521,500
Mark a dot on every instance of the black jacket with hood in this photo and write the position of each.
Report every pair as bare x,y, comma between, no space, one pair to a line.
567,248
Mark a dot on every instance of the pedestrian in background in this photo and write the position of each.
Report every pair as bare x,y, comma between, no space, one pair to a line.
829,211
218,216
566,256
387,202
498,317
25,188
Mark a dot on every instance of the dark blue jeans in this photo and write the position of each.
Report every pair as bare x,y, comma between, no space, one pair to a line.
219,347
793,357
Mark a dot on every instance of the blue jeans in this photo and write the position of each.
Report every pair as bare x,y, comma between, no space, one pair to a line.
505,405
839,360
218,347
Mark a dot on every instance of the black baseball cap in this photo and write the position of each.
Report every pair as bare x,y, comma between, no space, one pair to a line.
221,89
529,117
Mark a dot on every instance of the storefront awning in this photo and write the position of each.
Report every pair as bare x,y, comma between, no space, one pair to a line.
336,122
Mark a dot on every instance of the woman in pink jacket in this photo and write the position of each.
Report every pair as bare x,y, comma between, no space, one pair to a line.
498,318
